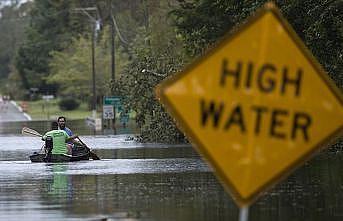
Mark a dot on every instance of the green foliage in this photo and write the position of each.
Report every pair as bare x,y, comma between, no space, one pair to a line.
160,54
11,26
52,25
318,23
12,23
72,67
201,23
68,103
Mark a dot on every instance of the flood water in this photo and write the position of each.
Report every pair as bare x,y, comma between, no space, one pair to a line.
135,181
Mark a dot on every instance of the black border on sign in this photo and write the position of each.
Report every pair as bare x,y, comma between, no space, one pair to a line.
160,93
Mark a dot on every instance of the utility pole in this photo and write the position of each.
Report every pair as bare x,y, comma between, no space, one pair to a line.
112,49
93,72
113,62
94,27
114,31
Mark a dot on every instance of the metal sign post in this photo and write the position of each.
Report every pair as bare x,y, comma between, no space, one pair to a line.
244,213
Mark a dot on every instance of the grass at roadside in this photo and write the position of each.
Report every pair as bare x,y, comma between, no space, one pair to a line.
42,110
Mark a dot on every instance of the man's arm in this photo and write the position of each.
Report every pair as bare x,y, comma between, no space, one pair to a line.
44,137
71,138
69,132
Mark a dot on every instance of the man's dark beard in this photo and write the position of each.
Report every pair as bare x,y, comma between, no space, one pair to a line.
62,126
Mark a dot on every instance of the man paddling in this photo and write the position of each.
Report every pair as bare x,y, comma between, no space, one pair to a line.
62,125
58,139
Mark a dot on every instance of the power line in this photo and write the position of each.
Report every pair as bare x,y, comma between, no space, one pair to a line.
118,30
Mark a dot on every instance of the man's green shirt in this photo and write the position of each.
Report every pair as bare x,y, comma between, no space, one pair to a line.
59,138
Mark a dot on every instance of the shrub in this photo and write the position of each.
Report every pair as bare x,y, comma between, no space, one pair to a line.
68,103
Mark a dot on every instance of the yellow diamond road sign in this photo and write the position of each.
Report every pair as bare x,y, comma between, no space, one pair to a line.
256,106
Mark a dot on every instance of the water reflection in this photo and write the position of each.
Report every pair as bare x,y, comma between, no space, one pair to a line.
61,184
314,192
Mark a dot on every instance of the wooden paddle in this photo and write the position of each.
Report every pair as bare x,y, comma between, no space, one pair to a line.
31,132
92,154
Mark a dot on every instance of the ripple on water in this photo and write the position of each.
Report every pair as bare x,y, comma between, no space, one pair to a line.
17,170
17,142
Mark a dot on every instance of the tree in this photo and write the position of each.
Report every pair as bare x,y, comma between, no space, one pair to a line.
321,30
74,62
71,68
12,22
52,26
157,50
318,23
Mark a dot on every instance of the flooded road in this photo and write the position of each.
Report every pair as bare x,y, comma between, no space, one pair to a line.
136,181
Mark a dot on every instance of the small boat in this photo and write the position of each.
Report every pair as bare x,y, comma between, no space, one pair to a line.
79,153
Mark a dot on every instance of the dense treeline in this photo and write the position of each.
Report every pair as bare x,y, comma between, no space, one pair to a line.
160,37
13,20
